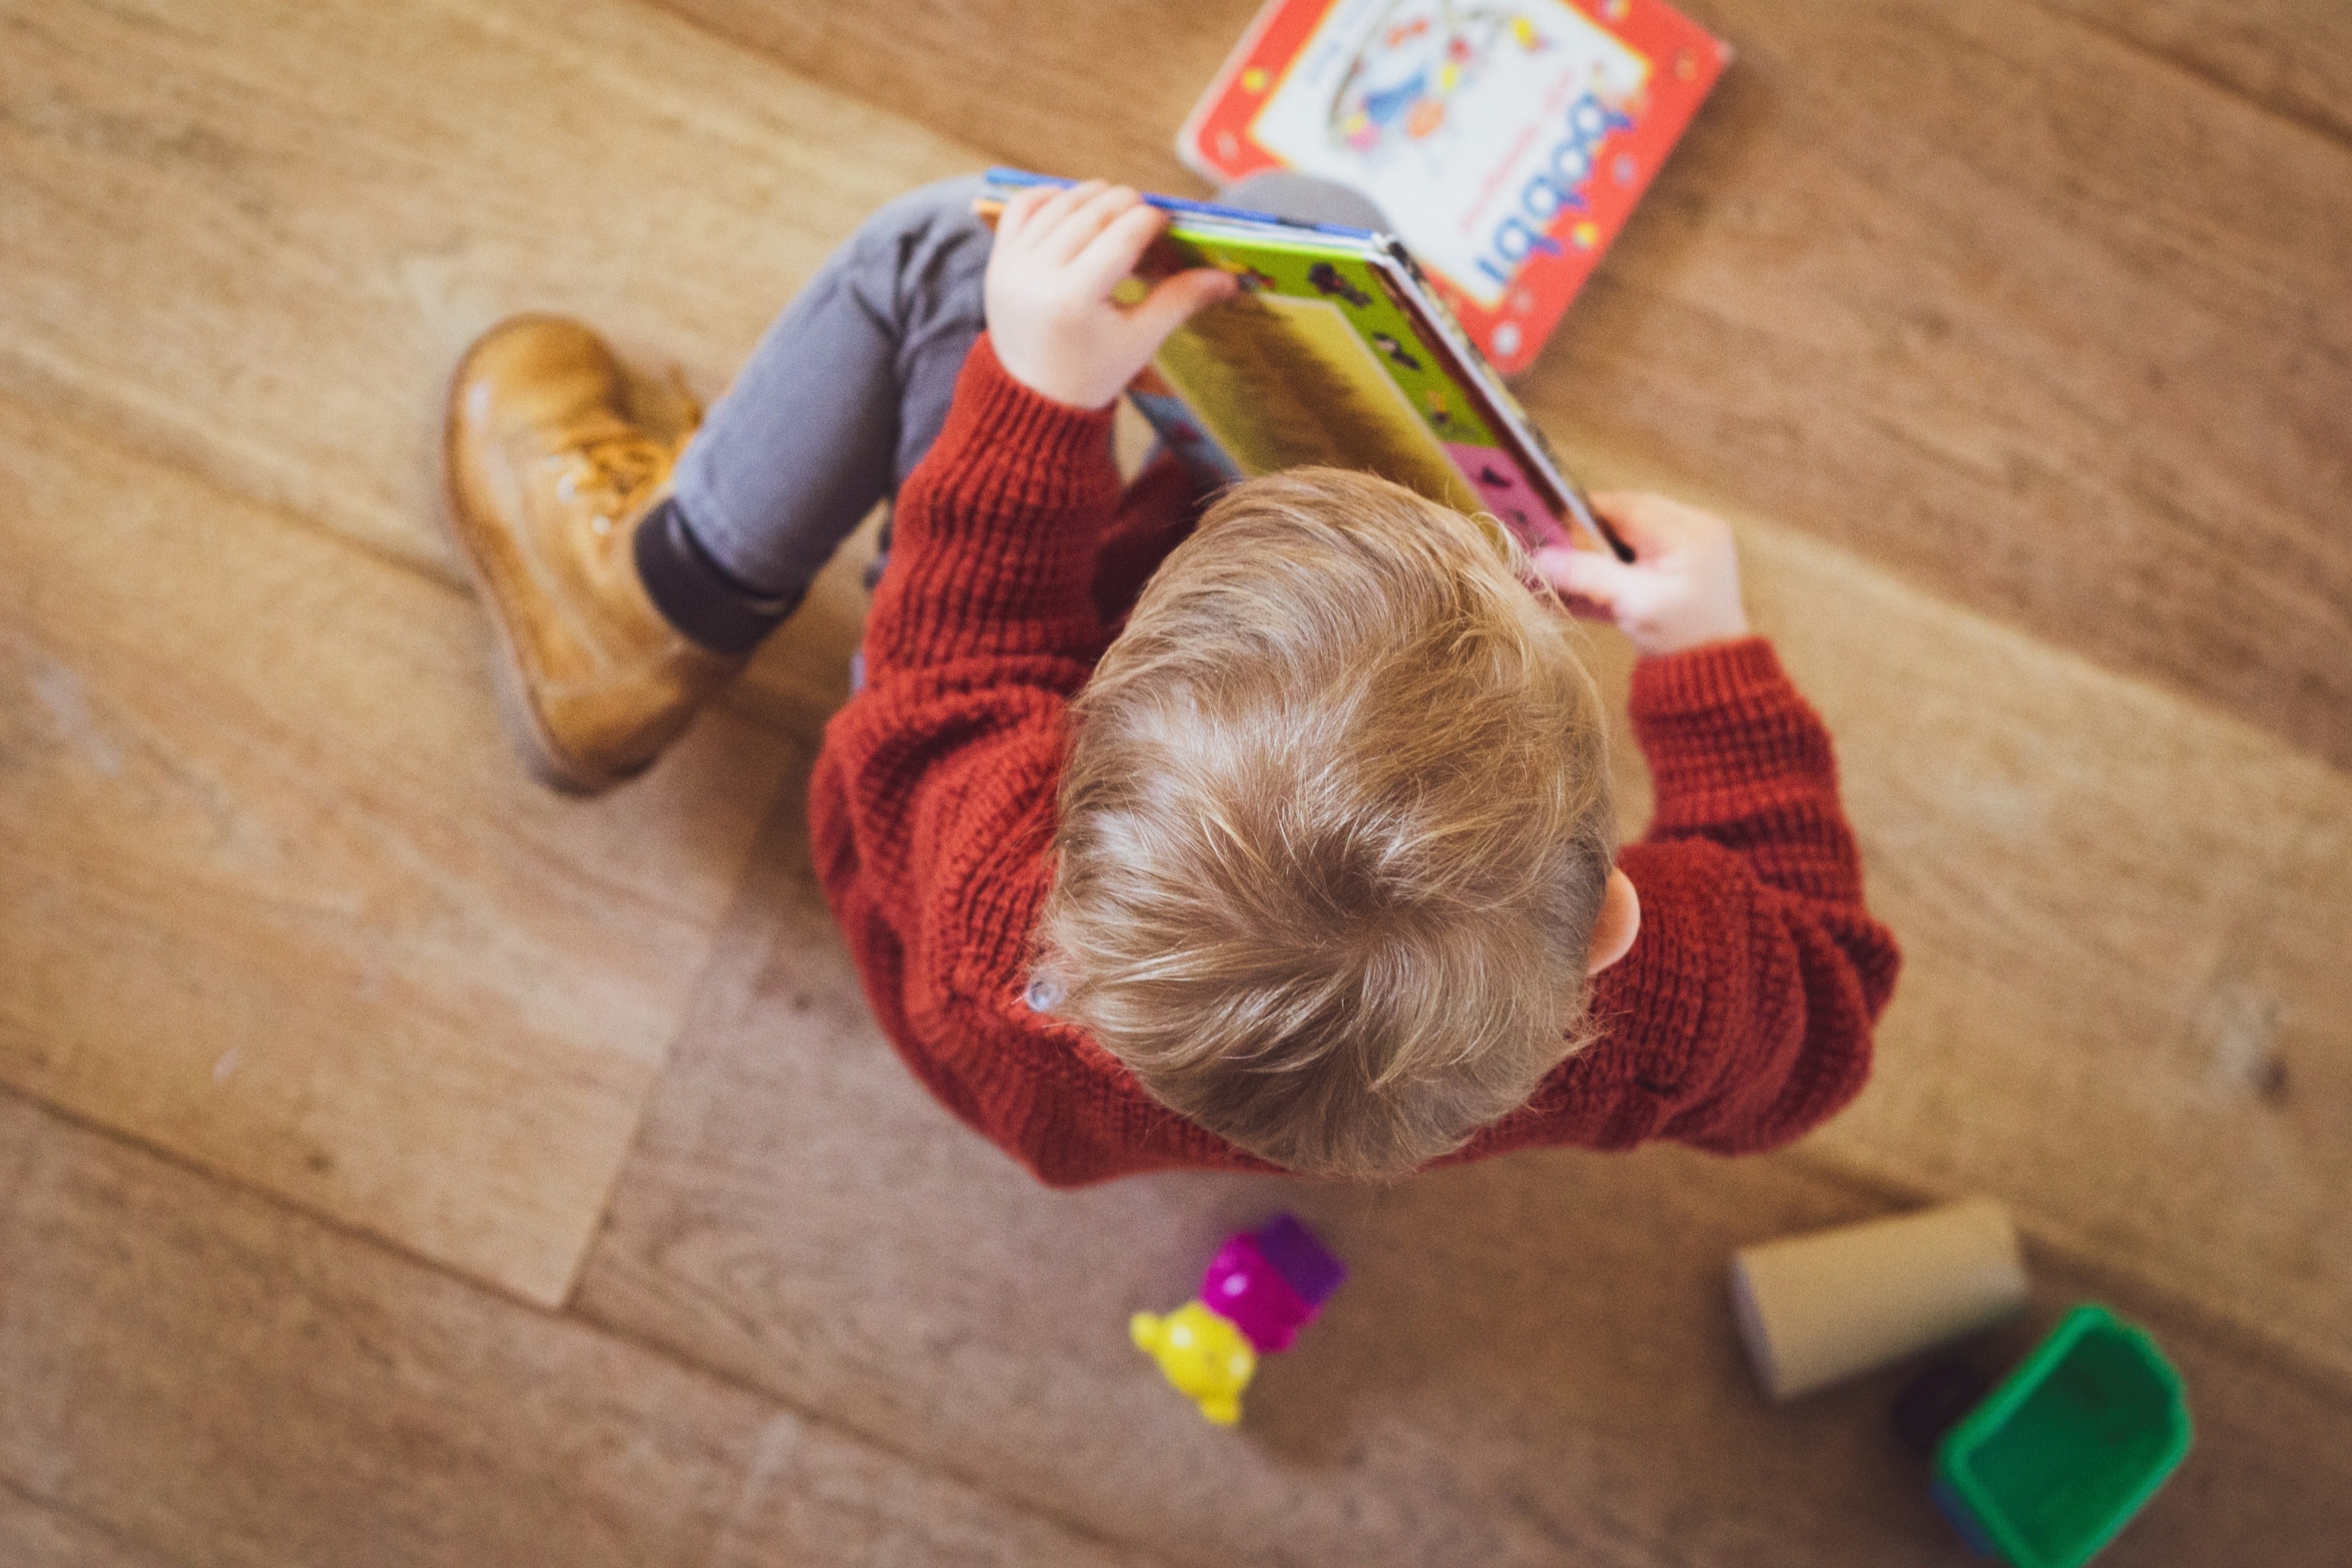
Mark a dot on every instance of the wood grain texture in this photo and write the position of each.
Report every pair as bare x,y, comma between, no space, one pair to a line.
1533,1360
1982,301
195,1377
254,238
33,1535
817,1498
2018,309
2080,868
276,897
2294,57
2117,1009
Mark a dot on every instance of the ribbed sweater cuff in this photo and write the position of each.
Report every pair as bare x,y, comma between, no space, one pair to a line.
1724,716
997,529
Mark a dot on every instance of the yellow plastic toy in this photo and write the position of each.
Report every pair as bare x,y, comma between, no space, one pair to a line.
1204,1354
1261,1289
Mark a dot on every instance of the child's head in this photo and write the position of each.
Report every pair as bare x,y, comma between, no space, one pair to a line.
1335,830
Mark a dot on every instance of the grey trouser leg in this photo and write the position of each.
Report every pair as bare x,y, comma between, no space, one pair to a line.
844,395
850,386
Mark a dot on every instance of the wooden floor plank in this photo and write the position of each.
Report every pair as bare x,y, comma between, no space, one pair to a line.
35,1536
2117,912
1534,1360
2080,868
1985,301
2020,310
278,896
254,239
2070,855
2292,56
820,1500
221,1381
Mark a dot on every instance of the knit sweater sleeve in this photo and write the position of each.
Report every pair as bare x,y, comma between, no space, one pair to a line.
1759,972
933,804
995,535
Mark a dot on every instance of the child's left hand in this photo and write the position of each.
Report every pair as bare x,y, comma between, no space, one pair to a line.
1059,253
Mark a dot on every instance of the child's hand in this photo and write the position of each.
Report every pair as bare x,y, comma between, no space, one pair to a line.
1682,588
1059,253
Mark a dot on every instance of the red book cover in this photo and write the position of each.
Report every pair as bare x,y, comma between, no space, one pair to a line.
1506,142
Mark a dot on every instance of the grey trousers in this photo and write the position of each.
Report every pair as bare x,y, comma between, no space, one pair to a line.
850,387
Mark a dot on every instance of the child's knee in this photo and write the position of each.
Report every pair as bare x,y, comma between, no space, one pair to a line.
940,214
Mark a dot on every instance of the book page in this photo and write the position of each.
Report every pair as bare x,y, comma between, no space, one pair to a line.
1281,383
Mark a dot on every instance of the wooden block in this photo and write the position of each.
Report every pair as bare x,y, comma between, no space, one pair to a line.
278,897
1534,1359
195,1374
256,245
2033,316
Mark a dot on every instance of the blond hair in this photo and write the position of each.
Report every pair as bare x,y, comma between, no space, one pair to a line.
1335,829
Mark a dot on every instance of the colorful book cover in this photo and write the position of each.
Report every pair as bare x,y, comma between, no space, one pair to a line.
1506,140
1335,352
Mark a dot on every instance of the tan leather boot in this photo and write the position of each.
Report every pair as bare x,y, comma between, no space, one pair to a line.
548,478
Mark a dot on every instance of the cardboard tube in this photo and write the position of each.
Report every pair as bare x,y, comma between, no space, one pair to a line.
1818,1309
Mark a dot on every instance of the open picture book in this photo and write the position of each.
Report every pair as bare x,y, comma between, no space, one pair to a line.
1338,351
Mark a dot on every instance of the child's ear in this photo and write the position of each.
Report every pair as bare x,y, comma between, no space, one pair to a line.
1619,921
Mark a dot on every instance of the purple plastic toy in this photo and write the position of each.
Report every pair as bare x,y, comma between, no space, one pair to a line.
1261,1289
1271,1282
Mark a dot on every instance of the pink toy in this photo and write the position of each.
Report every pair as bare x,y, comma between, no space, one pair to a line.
1261,1289
1271,1282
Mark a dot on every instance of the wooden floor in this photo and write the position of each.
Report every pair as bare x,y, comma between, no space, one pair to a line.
400,1165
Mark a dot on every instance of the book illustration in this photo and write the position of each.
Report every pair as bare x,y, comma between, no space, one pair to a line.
1335,352
1500,117
1394,350
1281,383
1504,490
1304,268
1326,280
1209,464
1506,140
1412,62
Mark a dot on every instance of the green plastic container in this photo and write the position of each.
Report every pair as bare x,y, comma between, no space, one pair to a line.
2051,1463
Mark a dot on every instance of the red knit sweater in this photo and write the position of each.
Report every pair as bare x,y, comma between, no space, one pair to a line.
1740,1018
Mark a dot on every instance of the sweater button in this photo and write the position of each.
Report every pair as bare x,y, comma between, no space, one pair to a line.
1041,995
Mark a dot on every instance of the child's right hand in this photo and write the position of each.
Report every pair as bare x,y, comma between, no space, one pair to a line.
1680,591
1059,253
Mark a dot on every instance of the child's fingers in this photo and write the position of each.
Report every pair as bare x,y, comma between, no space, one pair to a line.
1020,210
1113,252
1585,574
1050,214
1642,521
1173,300
1656,524
1074,230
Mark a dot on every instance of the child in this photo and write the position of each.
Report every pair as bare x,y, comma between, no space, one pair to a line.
1302,860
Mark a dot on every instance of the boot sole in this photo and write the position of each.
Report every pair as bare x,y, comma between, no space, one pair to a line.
518,714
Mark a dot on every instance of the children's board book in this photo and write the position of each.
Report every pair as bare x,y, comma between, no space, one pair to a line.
1337,351
1506,140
